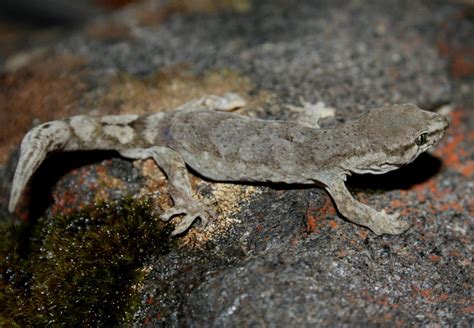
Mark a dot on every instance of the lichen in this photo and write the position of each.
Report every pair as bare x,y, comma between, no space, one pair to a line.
78,270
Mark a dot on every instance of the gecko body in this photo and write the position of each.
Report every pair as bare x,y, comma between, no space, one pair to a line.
224,146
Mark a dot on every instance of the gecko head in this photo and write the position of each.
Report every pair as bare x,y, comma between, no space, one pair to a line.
397,134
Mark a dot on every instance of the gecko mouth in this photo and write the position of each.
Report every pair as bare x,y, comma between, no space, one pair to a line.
383,168
376,168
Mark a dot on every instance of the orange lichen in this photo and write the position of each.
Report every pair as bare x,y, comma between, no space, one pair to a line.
341,254
451,206
461,57
456,119
383,301
149,300
396,203
434,258
311,219
62,204
399,205
452,150
328,208
467,169
462,66
443,297
420,196
315,216
425,293
363,233
468,310
429,186
66,197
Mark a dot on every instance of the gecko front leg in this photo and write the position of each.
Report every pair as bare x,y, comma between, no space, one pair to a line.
179,186
361,214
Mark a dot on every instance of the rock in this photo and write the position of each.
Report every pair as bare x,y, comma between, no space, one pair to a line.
277,255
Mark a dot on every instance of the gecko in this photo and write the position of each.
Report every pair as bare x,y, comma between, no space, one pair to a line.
220,145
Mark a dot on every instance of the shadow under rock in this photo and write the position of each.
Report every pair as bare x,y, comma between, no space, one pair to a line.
420,170
51,170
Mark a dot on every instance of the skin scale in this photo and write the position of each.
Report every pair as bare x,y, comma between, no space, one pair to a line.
224,146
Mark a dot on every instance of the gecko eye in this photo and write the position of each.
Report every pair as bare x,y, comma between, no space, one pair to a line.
421,139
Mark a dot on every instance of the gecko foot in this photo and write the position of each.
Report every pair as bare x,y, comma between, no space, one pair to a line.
389,224
191,211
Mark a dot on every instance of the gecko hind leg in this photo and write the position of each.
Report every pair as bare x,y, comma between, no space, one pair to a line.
179,186
227,102
311,115
36,144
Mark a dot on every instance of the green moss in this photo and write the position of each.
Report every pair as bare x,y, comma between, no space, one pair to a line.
78,269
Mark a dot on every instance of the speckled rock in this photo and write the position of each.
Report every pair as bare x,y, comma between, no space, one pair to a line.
278,255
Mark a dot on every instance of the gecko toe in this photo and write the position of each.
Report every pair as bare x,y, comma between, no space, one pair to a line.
172,212
184,225
389,224
191,211
188,220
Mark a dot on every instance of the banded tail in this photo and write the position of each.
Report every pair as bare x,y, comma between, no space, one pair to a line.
36,144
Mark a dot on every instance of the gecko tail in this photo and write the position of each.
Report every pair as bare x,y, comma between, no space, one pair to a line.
36,144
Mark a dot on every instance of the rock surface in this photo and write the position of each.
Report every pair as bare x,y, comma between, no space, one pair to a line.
278,255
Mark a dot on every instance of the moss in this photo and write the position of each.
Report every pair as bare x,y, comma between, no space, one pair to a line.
77,270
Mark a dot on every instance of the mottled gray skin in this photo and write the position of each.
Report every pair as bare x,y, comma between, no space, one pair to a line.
223,146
